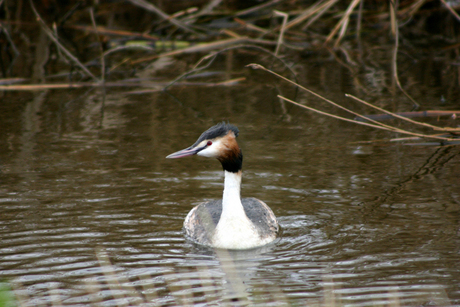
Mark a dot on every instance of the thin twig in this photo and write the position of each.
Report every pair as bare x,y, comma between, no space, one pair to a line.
257,66
323,9
186,11
395,28
257,8
212,56
122,83
230,82
319,6
231,33
451,10
402,117
414,8
196,68
305,14
58,50
129,47
6,71
56,41
105,31
392,129
283,26
152,8
251,26
8,37
359,21
40,87
358,31
375,124
342,24
205,10
344,27
195,48
93,20
207,46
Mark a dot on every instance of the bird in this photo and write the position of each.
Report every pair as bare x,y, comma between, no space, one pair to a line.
231,222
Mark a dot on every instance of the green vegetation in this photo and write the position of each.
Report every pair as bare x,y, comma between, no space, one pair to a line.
7,298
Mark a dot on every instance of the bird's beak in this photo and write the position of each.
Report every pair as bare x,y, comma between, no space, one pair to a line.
185,152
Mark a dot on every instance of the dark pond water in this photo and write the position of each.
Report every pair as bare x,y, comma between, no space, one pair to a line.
91,211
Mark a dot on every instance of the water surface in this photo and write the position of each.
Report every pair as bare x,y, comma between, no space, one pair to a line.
91,211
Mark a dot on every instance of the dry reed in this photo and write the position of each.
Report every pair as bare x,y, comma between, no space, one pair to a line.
375,124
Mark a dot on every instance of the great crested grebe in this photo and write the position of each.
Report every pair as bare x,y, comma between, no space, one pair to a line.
230,222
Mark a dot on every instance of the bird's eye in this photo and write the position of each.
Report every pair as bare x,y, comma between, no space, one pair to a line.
209,143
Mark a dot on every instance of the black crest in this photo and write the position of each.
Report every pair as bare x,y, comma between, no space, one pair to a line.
216,131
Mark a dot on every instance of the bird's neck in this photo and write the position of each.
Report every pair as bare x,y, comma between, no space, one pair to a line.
234,229
231,202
